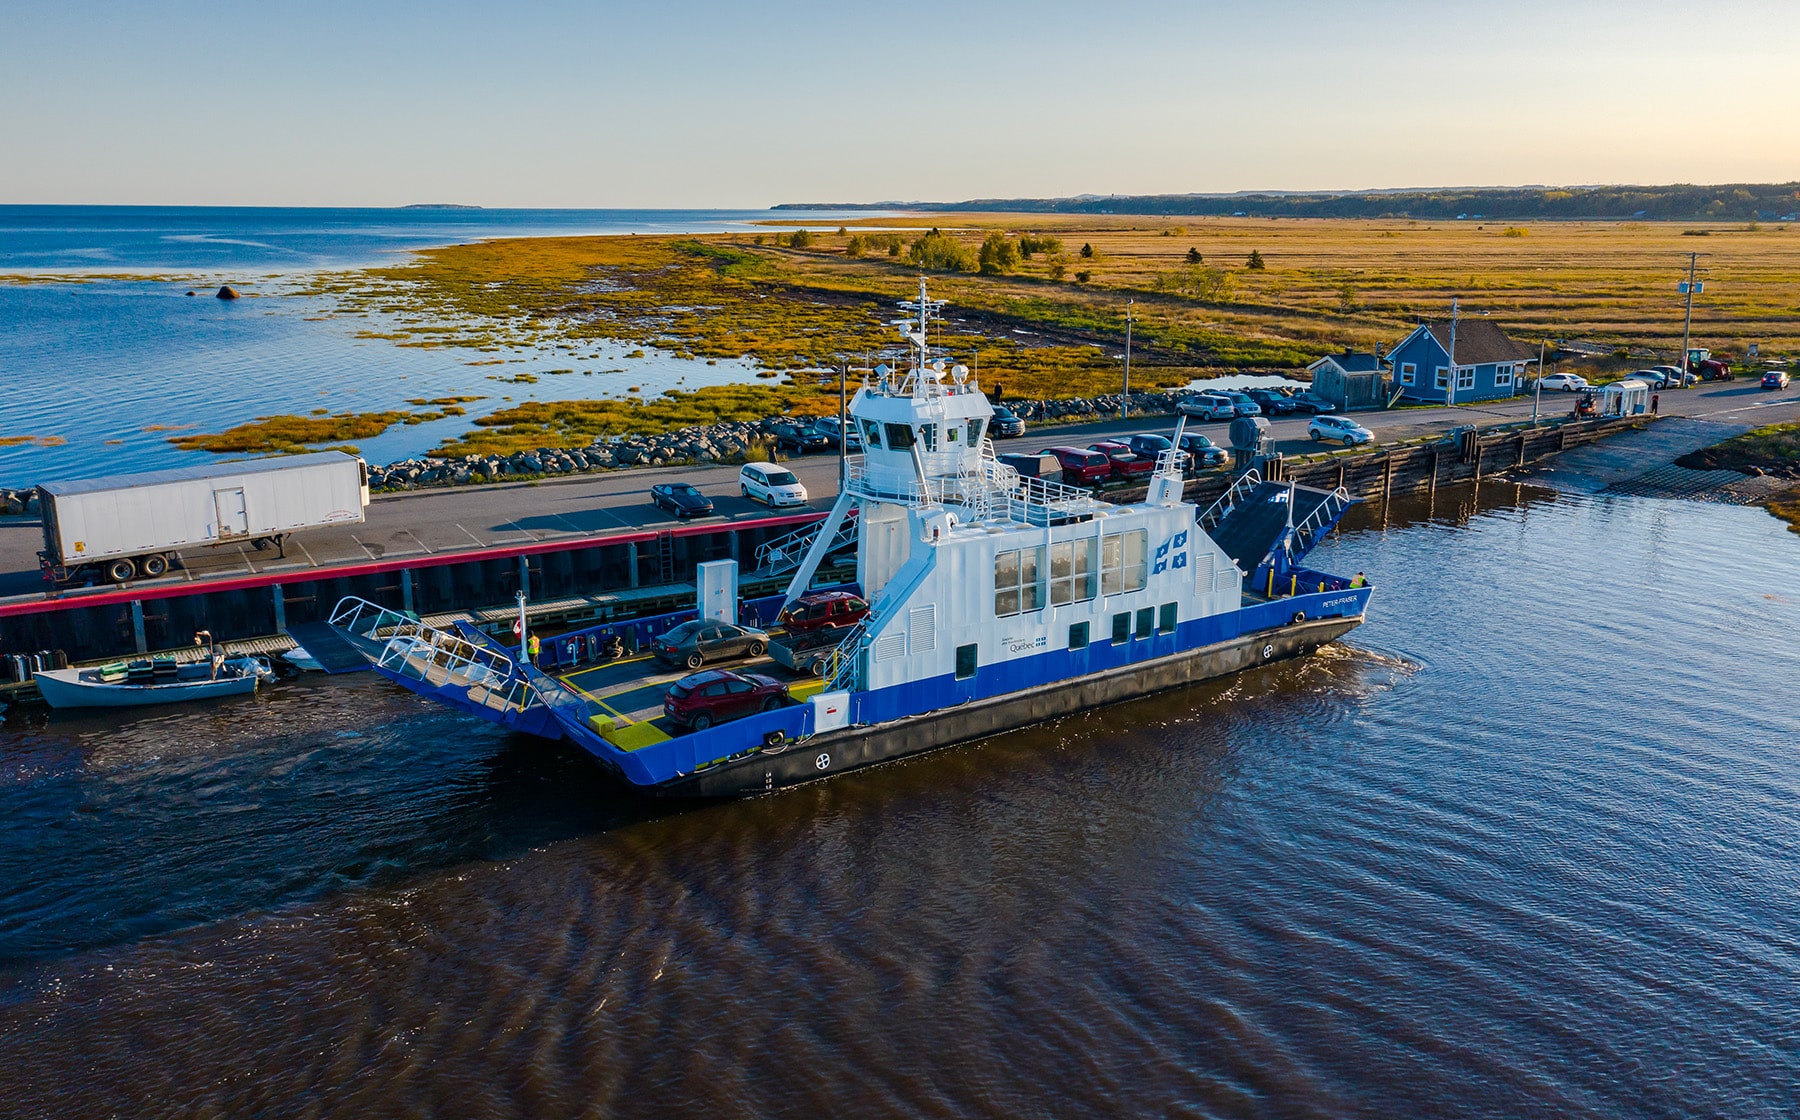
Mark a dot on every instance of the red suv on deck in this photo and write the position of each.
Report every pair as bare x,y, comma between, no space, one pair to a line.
825,610
1126,463
719,695
1081,466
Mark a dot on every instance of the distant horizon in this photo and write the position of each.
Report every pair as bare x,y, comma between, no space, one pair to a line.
894,203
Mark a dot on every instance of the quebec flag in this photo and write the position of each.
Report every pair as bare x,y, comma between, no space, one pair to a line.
1178,545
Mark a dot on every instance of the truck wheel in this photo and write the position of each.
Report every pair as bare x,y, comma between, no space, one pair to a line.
155,565
817,668
121,570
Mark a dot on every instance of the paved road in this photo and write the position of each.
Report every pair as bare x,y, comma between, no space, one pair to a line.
430,522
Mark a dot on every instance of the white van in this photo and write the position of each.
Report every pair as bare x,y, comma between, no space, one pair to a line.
772,485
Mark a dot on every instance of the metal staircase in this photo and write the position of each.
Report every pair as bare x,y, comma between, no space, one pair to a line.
1210,517
665,557
840,671
473,677
783,554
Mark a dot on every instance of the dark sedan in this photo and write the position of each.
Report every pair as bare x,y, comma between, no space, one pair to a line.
680,499
1273,401
718,695
695,643
1312,403
797,438
1203,452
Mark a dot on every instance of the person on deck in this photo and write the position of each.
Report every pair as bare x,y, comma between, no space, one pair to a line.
1655,400
532,645
1359,581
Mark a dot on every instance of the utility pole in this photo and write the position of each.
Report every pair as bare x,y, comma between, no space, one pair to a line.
1538,384
1688,289
843,424
1125,401
1450,374
524,657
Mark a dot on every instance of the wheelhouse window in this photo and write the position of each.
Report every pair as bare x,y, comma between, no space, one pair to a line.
1072,571
1018,581
899,436
871,433
975,431
1409,372
928,436
1122,561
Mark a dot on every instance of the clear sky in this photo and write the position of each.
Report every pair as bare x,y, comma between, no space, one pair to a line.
671,103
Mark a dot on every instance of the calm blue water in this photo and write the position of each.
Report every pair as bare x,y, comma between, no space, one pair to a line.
1525,846
105,348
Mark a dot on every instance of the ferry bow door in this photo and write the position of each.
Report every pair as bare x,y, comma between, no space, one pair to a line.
234,515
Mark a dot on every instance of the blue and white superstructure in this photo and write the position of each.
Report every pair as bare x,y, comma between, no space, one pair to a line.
995,601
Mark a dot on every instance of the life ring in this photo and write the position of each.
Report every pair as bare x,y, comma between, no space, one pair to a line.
1299,617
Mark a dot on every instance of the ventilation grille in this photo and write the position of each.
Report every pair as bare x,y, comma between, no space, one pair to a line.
922,624
890,646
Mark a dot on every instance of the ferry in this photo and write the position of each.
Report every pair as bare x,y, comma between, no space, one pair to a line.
996,601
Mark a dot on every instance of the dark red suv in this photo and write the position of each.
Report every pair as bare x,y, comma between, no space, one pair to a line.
719,695
1081,466
1126,463
825,610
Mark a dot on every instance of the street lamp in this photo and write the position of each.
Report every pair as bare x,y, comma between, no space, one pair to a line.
1125,400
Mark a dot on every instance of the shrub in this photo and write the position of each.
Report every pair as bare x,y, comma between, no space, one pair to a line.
1058,270
894,245
800,238
1087,251
1031,243
856,246
1255,262
937,253
999,255
1514,231
1193,256
1211,284
1347,298
1083,277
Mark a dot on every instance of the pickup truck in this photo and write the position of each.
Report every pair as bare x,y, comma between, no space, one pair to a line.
1126,464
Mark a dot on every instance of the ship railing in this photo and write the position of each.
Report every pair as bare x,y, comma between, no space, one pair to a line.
1213,514
785,553
1171,463
1039,501
1324,514
444,659
841,666
371,620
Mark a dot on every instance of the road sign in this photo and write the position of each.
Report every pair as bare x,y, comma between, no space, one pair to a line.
1694,288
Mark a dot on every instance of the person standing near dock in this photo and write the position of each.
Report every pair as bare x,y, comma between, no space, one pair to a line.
532,645
1655,400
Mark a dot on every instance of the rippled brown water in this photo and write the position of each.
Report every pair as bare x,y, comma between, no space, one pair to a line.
1525,847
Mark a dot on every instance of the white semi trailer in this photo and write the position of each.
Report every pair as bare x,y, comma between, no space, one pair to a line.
134,525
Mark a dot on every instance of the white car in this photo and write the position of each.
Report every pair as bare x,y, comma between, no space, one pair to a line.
772,485
1340,428
1205,406
1567,382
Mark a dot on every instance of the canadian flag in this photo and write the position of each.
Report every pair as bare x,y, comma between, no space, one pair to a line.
518,628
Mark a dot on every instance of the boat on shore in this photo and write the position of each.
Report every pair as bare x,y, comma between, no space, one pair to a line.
996,601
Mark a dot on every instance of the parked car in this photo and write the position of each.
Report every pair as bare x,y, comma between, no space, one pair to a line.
1148,446
695,643
1654,378
680,499
720,695
772,485
1081,466
1567,382
1340,428
1241,404
824,610
1775,379
1046,467
1006,424
1674,376
827,426
1311,403
1203,452
1126,463
797,437
1274,402
1206,406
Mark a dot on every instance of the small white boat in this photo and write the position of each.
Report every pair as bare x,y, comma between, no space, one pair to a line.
131,686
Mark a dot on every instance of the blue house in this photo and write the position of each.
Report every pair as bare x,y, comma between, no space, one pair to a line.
1489,365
